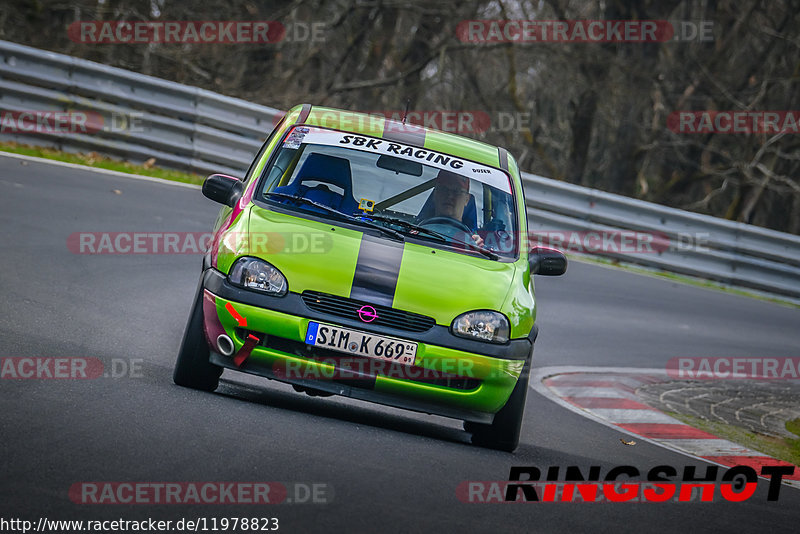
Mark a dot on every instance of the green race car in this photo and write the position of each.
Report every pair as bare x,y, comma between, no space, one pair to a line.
378,260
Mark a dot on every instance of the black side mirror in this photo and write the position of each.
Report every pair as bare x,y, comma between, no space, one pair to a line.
223,189
547,261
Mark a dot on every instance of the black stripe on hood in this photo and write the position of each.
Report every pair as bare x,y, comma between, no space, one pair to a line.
377,269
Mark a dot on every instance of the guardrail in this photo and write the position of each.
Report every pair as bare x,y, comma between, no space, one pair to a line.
732,253
189,128
181,126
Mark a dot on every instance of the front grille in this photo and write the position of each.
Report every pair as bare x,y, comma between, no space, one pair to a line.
348,308
367,368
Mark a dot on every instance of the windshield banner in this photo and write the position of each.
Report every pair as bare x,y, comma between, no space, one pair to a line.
475,171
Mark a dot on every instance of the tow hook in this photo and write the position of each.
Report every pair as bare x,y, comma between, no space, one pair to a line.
244,353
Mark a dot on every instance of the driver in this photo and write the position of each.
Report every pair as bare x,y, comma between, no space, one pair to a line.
450,197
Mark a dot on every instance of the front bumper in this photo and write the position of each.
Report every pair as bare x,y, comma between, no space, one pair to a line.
445,380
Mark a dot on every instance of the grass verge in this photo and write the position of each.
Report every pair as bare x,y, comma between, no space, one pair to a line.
92,159
786,449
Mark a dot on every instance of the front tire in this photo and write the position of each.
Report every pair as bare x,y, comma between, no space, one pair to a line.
503,433
192,369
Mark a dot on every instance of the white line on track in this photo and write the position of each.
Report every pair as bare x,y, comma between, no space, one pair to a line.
541,373
536,383
623,416
97,170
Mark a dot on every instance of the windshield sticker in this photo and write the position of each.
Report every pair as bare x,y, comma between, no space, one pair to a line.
475,171
295,138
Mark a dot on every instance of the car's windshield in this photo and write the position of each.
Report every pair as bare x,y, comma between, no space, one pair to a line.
420,193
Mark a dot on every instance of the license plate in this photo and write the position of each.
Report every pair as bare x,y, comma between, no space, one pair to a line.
361,343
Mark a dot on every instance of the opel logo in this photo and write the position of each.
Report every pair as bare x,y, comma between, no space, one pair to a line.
367,313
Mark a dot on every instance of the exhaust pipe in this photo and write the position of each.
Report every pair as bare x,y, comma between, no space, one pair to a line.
225,345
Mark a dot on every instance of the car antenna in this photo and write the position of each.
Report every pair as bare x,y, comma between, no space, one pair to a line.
405,113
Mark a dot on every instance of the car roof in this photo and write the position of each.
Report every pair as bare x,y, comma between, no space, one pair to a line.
408,134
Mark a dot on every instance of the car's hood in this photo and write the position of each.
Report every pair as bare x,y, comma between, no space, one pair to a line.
324,257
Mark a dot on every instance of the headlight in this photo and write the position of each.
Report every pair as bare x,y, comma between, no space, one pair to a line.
487,325
258,275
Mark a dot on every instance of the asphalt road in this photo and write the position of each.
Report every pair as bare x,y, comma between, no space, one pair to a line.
385,470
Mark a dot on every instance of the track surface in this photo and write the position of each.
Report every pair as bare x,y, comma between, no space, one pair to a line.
389,470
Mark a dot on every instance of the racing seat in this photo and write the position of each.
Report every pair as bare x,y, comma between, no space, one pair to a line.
326,170
469,218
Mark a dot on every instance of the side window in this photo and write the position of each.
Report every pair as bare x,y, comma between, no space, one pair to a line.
282,163
264,148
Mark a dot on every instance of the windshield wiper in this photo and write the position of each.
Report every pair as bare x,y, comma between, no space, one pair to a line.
442,237
333,211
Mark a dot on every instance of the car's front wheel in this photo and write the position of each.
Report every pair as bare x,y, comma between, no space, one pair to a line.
503,433
193,370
